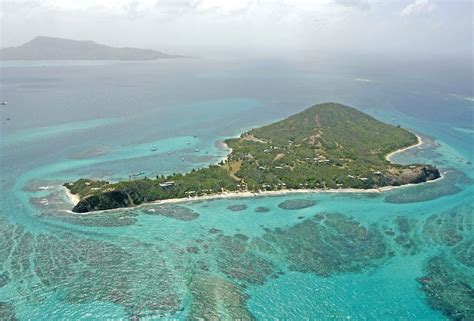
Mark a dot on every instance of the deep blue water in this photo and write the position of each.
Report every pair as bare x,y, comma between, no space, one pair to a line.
364,260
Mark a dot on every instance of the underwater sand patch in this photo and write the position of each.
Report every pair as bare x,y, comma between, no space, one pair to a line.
91,152
214,298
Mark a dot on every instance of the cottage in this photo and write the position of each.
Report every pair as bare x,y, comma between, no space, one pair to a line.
167,184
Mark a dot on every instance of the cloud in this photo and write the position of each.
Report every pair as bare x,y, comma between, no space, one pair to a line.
359,4
260,27
418,7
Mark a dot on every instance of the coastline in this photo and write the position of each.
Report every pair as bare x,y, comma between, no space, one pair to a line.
248,194
74,199
389,156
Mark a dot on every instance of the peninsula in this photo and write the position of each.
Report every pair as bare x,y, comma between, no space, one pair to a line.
49,48
328,146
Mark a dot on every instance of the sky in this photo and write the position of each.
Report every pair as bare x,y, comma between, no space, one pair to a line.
249,27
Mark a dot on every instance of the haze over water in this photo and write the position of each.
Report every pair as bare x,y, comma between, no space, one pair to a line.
227,257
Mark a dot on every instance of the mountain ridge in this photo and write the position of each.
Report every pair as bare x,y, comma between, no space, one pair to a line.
52,48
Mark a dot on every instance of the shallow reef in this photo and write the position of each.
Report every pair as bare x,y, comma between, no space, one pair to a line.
4,278
213,270
214,231
296,204
449,288
464,253
173,211
452,183
450,227
237,207
88,270
7,311
327,244
405,234
105,219
236,259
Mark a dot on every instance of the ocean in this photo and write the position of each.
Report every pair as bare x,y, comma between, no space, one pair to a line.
399,255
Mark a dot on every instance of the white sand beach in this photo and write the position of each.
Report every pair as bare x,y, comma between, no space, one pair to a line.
389,156
74,199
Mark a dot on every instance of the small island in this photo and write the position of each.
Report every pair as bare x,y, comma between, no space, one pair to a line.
50,48
326,147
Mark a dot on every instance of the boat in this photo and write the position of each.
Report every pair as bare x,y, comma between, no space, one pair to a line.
154,149
196,150
189,143
4,103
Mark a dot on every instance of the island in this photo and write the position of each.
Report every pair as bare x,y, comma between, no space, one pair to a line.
49,48
326,147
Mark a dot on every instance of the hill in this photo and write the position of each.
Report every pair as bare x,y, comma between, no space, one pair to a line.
327,146
48,48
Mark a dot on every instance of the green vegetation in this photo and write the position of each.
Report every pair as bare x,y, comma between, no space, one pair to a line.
326,146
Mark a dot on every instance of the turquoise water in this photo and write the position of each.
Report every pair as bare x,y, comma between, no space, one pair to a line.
404,254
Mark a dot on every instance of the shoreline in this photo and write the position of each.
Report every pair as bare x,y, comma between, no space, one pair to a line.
74,199
248,194
389,156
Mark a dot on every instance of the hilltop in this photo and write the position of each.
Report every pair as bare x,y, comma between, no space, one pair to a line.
327,146
49,48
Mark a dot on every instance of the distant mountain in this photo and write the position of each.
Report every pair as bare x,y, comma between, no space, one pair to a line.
48,48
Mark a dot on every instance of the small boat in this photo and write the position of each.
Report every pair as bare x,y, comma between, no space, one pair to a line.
4,103
188,143
182,159
169,153
196,150
154,149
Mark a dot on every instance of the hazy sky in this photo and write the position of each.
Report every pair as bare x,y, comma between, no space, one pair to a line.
260,27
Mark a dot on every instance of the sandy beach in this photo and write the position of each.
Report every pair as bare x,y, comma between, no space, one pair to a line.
389,156
74,199
246,194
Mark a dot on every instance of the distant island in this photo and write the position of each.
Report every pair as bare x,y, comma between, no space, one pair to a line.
326,147
49,48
